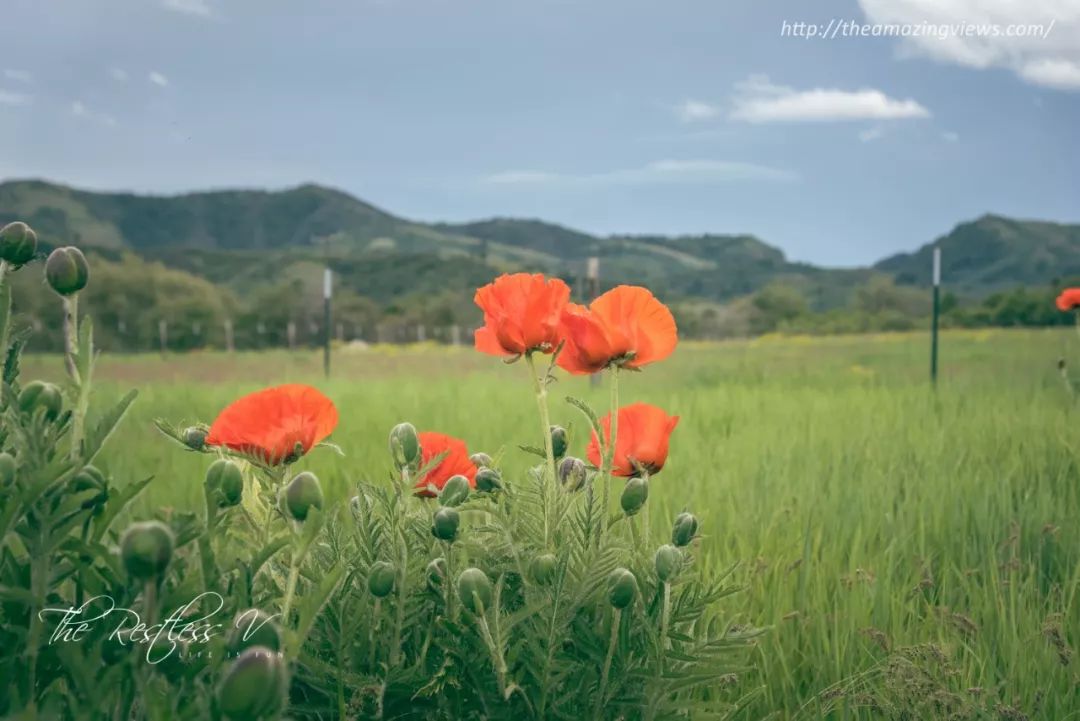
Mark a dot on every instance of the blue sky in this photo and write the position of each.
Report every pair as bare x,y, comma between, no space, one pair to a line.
660,116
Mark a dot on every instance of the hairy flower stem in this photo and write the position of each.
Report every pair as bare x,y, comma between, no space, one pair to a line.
290,588
5,307
495,647
540,388
665,619
615,622
608,460
39,568
371,634
71,352
399,612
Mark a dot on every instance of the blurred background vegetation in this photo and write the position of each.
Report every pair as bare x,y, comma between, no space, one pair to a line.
171,272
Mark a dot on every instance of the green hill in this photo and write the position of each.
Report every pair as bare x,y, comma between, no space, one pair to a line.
993,253
263,253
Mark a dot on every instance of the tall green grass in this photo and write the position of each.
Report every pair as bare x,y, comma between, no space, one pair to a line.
915,553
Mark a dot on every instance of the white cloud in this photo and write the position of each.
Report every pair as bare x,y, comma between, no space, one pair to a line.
158,79
118,74
1038,40
21,76
869,135
9,98
695,110
660,171
757,100
79,110
199,8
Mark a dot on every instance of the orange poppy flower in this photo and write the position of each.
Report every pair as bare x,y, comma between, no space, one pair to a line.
273,424
456,462
627,327
1069,299
642,442
521,314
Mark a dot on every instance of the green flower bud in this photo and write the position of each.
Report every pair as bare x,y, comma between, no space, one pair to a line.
474,589
634,495
684,530
622,588
444,524
8,469
87,479
18,243
195,437
436,574
381,579
66,270
146,549
542,569
39,394
455,492
301,495
405,446
572,474
253,628
254,685
167,657
559,441
488,480
226,478
482,460
668,562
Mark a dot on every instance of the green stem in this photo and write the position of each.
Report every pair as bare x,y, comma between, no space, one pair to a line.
665,619
38,569
399,614
609,448
290,587
371,634
540,388
496,656
615,622
5,307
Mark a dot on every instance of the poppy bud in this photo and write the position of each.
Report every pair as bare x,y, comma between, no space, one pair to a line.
559,441
455,492
381,579
444,524
253,628
668,562
572,474
39,394
8,469
436,574
301,495
254,685
146,549
634,495
482,460
18,243
405,446
66,270
87,479
684,530
195,437
488,480
622,588
542,569
474,588
227,478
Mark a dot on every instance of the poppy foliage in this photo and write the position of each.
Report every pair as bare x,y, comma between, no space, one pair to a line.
642,440
626,327
1069,299
455,462
522,313
275,425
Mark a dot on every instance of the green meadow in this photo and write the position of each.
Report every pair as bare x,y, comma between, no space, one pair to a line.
913,553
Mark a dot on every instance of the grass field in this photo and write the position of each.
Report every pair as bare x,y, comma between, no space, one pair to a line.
915,554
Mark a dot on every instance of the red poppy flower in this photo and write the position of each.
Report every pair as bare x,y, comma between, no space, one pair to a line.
627,327
1069,299
642,441
456,462
521,314
271,424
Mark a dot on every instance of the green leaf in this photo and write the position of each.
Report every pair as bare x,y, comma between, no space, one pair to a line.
100,433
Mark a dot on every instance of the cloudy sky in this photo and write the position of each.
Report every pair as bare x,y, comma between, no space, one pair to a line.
645,116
